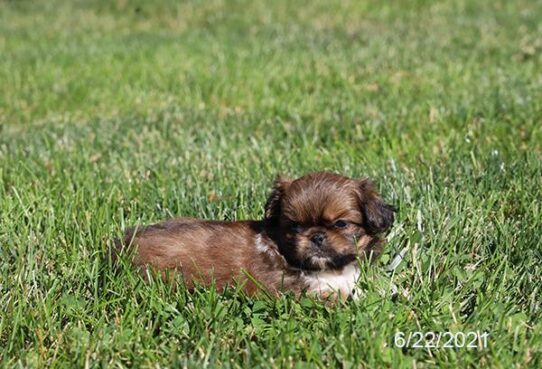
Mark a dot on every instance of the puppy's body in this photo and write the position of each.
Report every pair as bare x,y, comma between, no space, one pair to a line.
207,252
314,230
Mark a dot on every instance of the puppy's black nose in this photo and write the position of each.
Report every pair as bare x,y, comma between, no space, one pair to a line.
318,238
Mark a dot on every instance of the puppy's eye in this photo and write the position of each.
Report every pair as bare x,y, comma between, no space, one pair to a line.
296,227
340,223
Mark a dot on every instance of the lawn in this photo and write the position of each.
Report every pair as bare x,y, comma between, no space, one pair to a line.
115,113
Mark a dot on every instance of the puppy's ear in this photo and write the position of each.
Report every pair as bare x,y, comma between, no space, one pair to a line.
272,206
378,216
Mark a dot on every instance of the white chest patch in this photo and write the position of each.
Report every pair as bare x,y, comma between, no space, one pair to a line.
343,281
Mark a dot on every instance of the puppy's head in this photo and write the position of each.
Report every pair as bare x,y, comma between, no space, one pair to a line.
325,220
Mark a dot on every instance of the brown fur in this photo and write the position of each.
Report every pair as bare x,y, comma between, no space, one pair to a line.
279,252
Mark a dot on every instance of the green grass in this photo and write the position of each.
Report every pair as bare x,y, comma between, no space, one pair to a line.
122,113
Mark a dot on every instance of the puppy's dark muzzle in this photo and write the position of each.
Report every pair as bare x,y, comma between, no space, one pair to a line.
318,239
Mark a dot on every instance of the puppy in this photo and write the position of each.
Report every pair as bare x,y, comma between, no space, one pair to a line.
314,230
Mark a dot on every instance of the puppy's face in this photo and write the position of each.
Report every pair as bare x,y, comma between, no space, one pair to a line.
325,221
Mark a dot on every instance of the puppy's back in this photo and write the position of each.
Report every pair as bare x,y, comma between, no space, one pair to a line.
199,249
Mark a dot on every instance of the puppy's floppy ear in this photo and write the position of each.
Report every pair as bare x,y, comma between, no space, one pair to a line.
272,206
378,216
